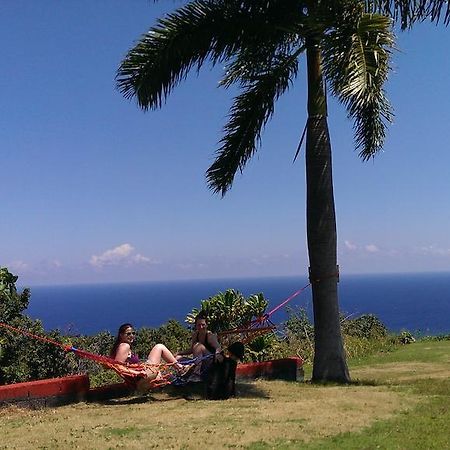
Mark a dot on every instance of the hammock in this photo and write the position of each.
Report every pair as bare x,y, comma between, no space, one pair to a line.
155,375
158,375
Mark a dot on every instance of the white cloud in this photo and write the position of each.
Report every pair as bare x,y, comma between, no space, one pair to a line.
350,245
190,265
17,265
370,248
434,250
122,255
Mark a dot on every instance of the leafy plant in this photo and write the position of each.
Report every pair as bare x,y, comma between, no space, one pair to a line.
230,309
366,326
12,303
406,337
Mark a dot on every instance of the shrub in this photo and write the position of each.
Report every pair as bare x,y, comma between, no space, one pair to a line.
366,326
406,337
263,348
298,332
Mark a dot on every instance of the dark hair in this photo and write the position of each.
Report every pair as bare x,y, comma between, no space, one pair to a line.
201,316
117,342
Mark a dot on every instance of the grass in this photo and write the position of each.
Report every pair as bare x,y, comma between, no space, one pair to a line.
399,400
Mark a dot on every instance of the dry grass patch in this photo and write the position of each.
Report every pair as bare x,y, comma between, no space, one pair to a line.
264,411
402,371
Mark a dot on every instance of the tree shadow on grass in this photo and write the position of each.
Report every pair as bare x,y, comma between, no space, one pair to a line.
353,383
250,390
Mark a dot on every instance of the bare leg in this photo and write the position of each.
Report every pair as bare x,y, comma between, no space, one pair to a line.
158,352
200,350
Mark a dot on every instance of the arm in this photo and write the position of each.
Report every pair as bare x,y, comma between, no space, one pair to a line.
213,341
123,351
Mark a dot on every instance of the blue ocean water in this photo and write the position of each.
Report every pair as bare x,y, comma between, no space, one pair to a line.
417,302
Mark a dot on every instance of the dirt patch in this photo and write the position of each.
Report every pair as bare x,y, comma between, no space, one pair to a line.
263,412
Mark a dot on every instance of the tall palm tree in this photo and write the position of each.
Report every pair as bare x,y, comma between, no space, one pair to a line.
347,43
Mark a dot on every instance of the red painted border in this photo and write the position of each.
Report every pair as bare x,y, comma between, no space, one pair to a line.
77,385
284,369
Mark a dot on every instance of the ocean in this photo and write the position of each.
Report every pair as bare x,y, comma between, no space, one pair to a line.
419,303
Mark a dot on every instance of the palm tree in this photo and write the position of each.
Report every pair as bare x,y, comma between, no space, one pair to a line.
347,43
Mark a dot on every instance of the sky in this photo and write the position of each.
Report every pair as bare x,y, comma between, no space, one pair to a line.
94,190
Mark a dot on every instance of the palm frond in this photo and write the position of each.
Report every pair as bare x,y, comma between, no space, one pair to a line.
250,112
357,63
409,11
203,29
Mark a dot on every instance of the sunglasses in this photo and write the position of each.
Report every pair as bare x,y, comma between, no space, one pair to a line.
130,333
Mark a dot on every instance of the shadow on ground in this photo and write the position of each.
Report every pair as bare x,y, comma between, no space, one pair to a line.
190,392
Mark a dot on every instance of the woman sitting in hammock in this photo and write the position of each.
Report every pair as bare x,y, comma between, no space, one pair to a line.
203,344
121,351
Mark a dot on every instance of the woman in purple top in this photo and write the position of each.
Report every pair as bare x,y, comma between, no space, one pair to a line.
121,350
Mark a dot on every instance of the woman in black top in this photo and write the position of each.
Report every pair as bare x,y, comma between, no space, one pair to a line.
203,343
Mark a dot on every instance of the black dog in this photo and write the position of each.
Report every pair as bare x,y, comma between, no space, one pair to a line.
221,381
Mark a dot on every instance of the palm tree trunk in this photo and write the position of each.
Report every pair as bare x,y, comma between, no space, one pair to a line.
329,357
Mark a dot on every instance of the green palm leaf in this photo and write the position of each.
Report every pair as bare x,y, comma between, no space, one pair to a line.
250,112
204,29
356,63
407,11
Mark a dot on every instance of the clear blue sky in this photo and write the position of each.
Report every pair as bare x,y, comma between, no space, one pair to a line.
95,190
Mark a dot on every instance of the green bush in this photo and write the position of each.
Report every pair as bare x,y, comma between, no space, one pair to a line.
298,333
366,326
406,337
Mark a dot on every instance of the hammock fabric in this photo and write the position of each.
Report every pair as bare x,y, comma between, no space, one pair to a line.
157,375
